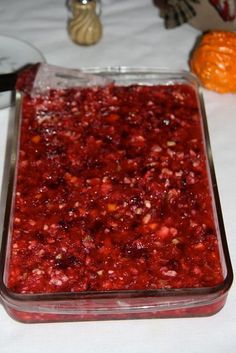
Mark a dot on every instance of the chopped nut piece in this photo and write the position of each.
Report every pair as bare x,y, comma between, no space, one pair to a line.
32,222
147,203
127,180
171,143
175,241
170,273
146,218
156,148
138,210
199,246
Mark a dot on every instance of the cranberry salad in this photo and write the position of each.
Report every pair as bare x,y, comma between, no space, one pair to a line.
112,192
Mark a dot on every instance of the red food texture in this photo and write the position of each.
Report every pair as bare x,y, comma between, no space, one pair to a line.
112,193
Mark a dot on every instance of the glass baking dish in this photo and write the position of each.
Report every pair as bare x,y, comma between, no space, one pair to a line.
141,303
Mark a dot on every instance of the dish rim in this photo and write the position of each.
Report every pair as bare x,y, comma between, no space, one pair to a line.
201,293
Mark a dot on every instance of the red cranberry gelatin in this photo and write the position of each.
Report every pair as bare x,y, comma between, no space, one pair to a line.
112,193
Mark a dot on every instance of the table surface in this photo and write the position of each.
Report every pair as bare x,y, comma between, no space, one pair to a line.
134,36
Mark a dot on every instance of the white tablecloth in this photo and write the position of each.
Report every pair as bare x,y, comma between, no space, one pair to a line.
134,35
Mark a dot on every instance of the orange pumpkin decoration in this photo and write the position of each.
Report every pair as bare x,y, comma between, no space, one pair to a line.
214,61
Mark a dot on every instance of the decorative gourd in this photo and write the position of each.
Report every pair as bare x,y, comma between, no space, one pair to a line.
214,61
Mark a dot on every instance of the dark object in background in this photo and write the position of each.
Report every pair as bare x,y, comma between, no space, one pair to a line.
202,14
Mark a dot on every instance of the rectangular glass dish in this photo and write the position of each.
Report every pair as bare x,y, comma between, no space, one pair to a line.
145,236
